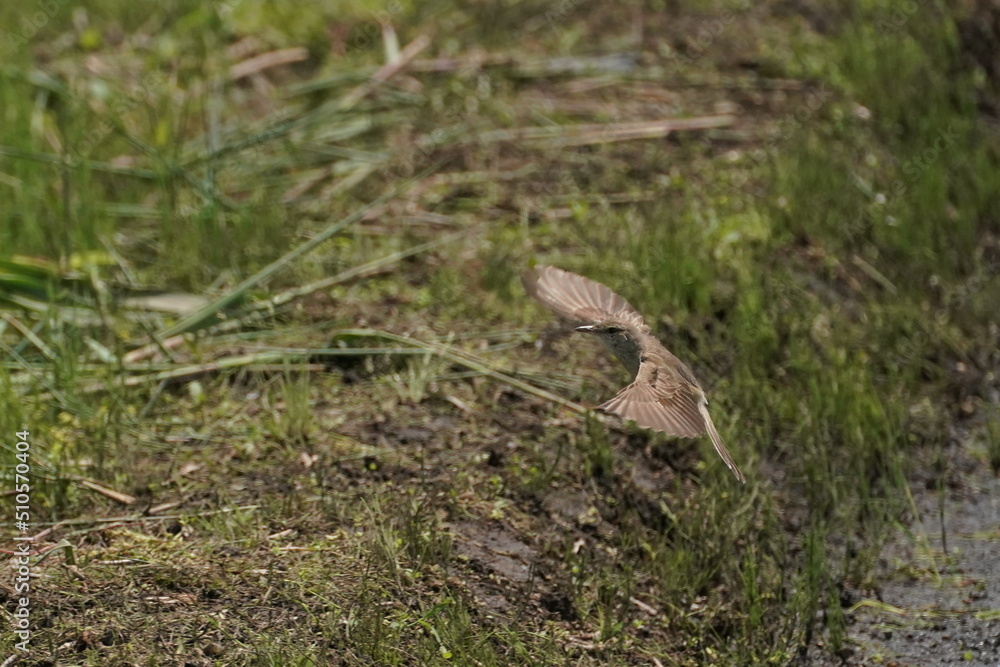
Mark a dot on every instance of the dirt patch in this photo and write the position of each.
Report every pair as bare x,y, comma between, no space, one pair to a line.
938,596
495,549
512,573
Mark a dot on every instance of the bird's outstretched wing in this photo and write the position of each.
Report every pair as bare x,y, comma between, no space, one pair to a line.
576,298
661,399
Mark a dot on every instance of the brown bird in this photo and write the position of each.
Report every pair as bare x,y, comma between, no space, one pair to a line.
664,395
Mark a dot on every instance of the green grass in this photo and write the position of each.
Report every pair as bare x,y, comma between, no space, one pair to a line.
415,504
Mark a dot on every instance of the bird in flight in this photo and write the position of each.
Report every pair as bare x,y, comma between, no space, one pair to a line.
664,394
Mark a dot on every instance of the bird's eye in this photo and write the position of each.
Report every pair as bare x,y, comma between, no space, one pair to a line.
614,330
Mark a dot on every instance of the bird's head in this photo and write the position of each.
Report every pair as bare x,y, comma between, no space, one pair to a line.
613,329
621,338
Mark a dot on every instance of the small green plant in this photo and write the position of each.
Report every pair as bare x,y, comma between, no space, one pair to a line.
418,378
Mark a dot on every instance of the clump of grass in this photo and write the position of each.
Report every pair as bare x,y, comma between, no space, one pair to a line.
993,442
598,454
295,423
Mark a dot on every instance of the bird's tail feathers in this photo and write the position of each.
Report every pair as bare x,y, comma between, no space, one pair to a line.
717,441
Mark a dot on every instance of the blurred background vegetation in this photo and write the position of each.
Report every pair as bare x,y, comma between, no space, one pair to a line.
261,314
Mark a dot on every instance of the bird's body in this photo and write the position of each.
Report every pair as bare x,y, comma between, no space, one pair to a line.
664,394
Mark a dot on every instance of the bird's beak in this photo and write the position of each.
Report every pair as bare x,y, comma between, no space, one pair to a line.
587,328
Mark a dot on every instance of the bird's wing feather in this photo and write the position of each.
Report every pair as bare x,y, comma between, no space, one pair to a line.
663,400
576,298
